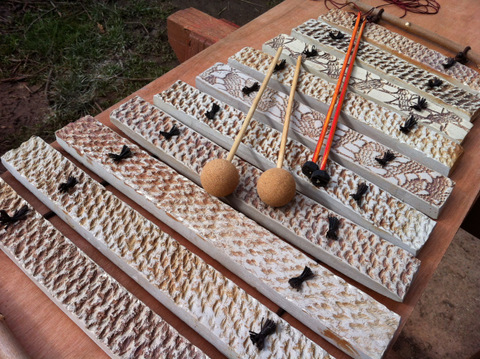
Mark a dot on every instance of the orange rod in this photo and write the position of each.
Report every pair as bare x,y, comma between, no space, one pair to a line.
340,102
316,154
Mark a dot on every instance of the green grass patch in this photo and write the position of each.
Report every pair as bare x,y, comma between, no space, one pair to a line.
87,54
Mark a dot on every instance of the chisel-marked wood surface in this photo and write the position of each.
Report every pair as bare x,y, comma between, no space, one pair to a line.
399,45
422,144
379,212
200,295
395,69
373,87
117,321
325,303
423,188
357,253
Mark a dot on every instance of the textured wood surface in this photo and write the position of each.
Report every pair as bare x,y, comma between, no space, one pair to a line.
459,74
379,211
47,332
413,183
259,257
395,69
199,294
358,253
422,144
373,87
117,321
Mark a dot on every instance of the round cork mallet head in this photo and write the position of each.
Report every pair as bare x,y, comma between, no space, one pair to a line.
219,177
276,187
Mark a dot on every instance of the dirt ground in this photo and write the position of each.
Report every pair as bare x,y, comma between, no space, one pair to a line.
443,325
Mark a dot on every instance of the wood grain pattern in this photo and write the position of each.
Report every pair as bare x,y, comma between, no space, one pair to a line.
199,294
256,255
379,211
415,184
422,144
358,253
49,333
373,87
399,45
117,321
399,71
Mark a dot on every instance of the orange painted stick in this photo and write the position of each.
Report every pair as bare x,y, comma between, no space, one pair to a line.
340,102
316,154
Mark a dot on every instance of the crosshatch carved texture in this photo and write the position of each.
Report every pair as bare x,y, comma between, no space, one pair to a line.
107,312
354,148
213,301
396,43
430,143
378,207
462,102
374,87
384,263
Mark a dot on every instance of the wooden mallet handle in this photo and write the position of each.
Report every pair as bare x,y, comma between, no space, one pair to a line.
420,31
255,102
9,346
288,114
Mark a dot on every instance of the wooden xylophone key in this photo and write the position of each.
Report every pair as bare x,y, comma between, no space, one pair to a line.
302,222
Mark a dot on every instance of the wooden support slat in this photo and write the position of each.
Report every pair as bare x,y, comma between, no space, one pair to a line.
191,31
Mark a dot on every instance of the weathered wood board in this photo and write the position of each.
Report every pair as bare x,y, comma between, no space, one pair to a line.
229,237
397,70
372,87
399,45
357,253
422,144
407,179
201,296
112,317
379,211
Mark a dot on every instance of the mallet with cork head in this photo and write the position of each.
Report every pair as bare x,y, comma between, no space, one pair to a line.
276,186
220,177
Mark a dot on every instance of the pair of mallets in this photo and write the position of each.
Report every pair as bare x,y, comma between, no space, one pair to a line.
318,175
276,186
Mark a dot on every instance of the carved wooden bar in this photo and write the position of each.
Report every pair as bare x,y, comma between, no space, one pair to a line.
199,294
422,144
405,178
398,71
373,87
358,253
399,45
113,318
379,212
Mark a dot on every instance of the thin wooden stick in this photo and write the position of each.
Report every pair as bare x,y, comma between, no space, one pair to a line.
340,102
250,113
288,114
420,31
316,154
9,346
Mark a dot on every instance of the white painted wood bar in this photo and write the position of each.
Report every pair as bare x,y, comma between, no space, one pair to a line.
357,253
373,87
379,212
422,144
113,318
200,295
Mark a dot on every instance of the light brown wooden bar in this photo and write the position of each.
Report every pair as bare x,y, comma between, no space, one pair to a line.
44,331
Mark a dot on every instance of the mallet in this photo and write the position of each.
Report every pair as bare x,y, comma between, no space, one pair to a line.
319,177
220,177
276,186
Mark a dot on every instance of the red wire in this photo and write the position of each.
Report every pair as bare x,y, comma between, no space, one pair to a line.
428,7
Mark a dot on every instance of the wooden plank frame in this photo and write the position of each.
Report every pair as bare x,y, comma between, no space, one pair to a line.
45,331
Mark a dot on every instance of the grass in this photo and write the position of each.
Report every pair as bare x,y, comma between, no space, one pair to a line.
85,55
